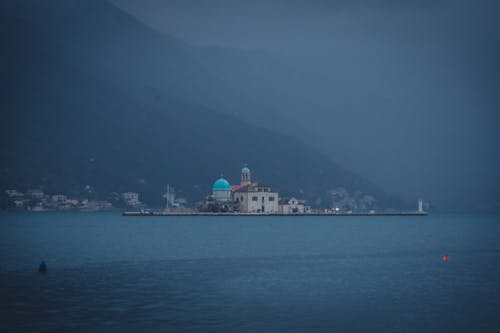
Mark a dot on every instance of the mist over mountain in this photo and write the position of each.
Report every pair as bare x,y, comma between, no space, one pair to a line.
404,92
91,96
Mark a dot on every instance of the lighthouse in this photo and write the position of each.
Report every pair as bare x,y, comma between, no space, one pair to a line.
420,206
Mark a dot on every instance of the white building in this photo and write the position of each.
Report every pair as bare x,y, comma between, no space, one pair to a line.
19,203
14,193
293,206
255,197
35,193
131,199
59,198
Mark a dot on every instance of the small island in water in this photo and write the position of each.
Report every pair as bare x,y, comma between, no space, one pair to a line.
257,199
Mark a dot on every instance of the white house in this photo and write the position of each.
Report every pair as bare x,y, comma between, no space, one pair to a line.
293,206
59,198
14,193
131,199
35,193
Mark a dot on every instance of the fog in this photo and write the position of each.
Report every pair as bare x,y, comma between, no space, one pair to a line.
404,93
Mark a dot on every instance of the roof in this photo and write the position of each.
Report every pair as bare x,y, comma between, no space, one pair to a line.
286,201
253,187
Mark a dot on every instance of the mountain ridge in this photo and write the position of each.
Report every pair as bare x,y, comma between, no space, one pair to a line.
90,126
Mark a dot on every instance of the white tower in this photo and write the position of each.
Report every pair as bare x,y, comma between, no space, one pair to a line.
169,197
420,206
245,177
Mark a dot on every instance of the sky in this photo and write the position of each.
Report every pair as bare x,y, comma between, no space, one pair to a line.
405,93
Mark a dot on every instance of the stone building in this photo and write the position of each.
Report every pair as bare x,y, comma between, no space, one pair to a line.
250,197
255,197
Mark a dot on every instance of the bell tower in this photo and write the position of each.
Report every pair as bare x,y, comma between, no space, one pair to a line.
245,176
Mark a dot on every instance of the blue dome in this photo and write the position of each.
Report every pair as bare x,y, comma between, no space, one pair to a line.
221,185
245,170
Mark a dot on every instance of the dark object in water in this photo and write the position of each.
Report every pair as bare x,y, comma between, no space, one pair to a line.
43,267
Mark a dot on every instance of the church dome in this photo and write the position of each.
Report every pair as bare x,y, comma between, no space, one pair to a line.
221,185
245,170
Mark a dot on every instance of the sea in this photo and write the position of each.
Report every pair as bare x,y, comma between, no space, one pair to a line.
109,273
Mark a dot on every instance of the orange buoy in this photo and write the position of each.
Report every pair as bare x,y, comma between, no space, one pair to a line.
445,258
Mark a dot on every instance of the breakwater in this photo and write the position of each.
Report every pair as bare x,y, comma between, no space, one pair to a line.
157,213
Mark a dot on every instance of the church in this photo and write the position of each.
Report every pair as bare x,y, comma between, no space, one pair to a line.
247,197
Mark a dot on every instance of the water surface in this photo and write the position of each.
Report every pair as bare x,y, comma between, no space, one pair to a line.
249,274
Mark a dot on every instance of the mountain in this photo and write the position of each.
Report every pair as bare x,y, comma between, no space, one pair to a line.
90,96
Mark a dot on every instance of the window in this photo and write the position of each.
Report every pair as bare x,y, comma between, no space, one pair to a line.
241,198
271,198
259,190
255,198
